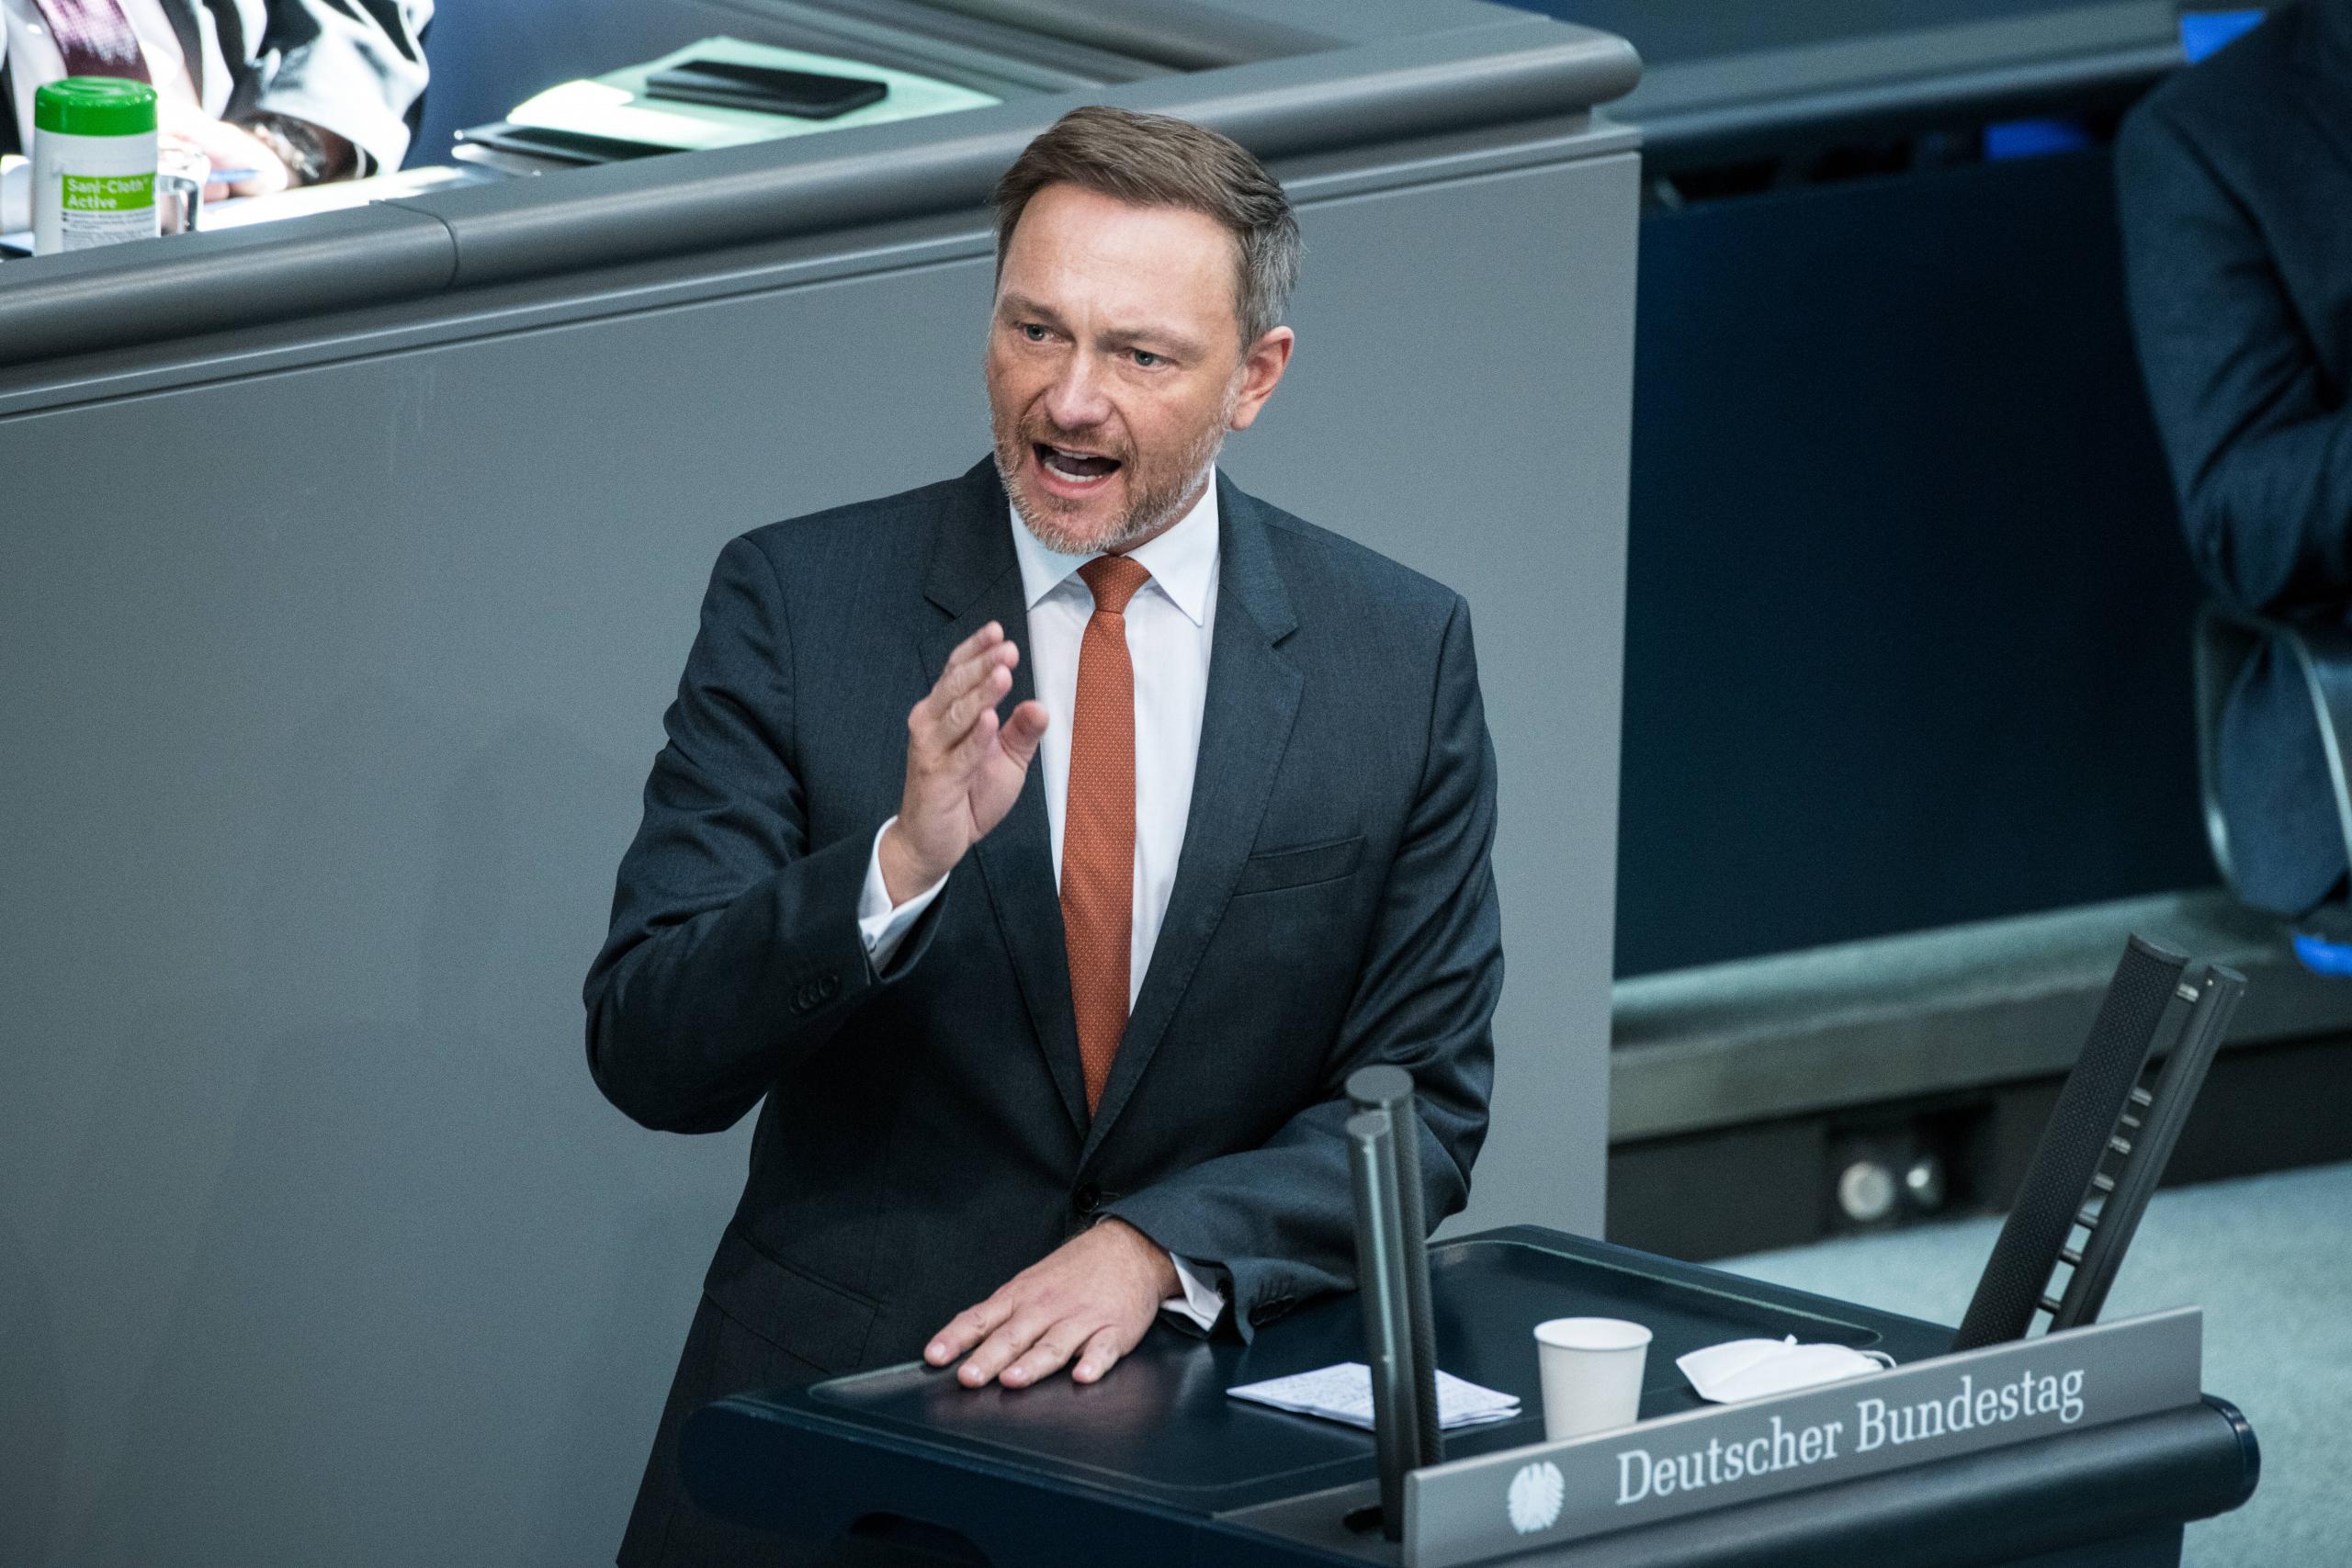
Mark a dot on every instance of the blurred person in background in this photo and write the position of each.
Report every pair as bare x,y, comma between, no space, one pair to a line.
299,91
2234,180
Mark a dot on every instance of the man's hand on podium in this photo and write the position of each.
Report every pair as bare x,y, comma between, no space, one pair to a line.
1093,1298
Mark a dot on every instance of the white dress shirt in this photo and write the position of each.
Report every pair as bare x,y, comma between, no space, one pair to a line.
1170,624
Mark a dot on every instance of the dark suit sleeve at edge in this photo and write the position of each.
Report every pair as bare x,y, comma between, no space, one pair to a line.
734,951
2260,461
1280,1218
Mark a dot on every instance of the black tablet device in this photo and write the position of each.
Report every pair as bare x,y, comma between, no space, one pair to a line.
768,89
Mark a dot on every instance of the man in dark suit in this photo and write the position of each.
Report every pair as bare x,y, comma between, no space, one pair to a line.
2235,184
1042,849
300,92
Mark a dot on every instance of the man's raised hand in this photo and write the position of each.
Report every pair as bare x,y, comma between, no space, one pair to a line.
964,769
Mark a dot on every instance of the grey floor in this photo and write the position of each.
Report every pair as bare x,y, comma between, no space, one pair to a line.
2269,1259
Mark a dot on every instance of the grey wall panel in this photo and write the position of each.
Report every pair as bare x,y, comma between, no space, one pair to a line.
328,695
331,774
1459,401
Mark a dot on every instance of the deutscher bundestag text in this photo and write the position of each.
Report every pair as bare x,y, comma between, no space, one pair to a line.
1875,1425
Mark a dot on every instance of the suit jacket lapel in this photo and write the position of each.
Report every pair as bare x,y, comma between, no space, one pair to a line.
974,578
1252,700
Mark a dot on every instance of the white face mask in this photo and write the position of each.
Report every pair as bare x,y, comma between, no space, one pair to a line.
1751,1368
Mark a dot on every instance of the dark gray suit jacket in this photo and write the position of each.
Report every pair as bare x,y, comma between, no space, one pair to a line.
922,1132
2235,185
355,67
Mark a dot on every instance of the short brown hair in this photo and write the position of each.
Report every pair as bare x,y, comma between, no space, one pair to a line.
1156,159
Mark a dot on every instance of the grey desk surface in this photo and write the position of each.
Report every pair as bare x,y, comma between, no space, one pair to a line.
1675,32
1728,81
1925,1011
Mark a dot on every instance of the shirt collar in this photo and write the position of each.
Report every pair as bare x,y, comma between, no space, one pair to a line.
1182,560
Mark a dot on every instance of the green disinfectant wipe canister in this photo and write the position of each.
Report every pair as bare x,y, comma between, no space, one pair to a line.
93,163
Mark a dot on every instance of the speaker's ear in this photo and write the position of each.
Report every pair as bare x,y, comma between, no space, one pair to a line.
2144,1002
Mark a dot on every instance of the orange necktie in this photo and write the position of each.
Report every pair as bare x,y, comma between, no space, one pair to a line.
1099,822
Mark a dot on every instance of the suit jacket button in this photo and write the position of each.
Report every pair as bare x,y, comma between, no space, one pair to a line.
828,986
1085,1200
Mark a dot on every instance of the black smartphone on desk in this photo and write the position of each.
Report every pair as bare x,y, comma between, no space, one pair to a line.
765,89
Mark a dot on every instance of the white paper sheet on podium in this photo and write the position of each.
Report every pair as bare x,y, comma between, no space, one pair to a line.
1344,1394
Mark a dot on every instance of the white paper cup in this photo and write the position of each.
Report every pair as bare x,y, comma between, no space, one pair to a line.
1592,1374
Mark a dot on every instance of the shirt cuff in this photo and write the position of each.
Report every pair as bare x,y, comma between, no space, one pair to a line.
1201,1303
15,189
882,925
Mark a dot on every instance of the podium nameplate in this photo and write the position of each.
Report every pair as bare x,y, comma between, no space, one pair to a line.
1546,1494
